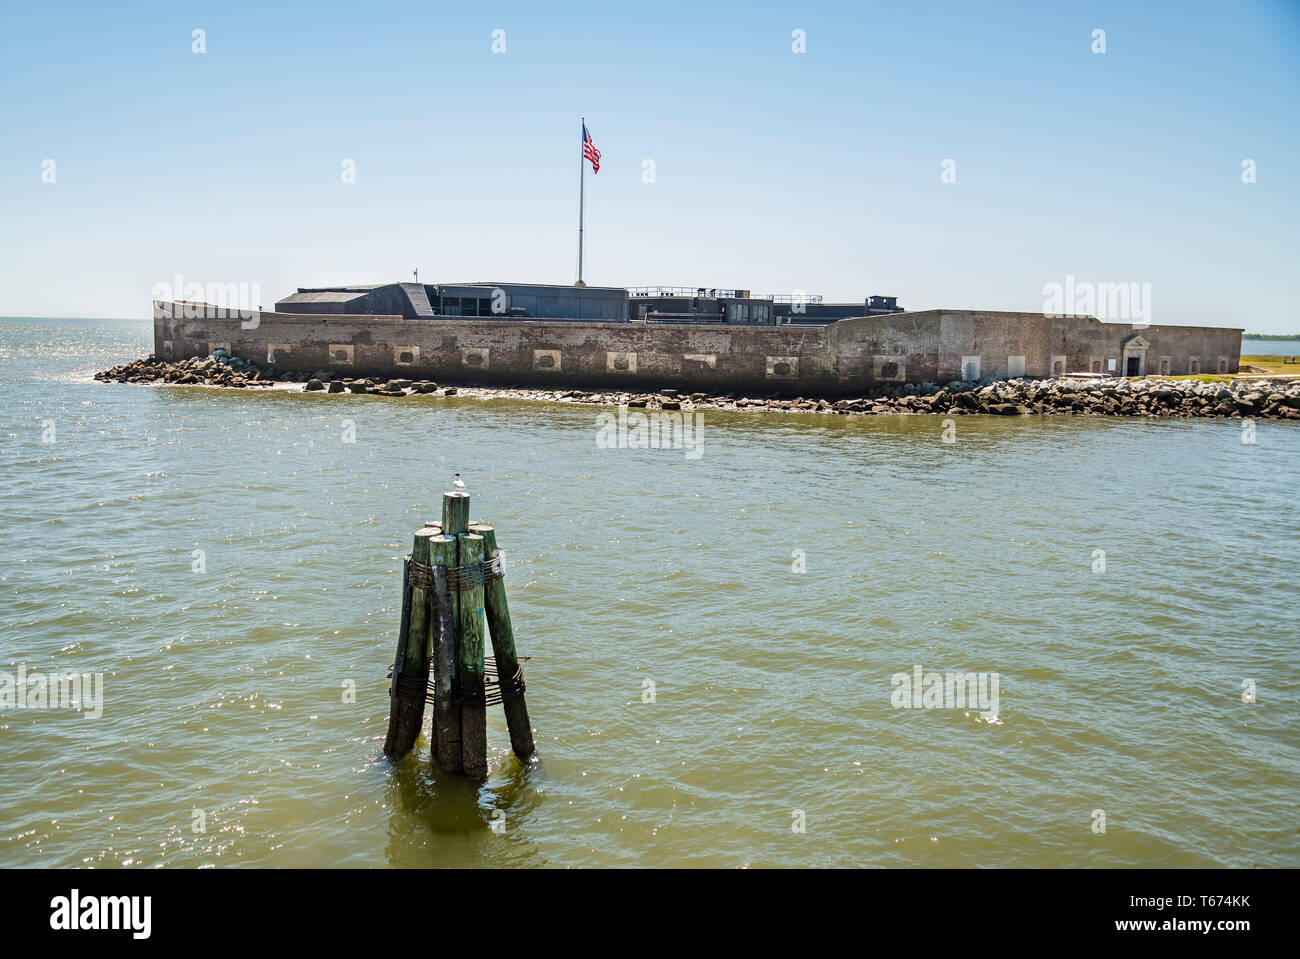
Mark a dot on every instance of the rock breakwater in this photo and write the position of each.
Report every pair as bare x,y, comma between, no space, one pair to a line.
1242,397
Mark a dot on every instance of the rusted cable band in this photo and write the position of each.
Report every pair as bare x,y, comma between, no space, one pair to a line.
474,575
411,688
490,662
498,691
513,687
463,578
420,576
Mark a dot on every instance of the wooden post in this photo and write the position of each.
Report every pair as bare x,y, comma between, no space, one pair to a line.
455,513
503,648
447,590
399,664
469,660
411,666
446,716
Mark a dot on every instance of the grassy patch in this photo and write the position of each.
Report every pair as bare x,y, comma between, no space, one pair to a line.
1274,364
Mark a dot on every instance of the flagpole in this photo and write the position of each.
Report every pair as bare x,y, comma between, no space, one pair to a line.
582,173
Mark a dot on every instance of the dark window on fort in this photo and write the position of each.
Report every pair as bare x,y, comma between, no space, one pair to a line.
406,357
888,370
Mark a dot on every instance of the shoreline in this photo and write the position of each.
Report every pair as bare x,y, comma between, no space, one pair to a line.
1241,398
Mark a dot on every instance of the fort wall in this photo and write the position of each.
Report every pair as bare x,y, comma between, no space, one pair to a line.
839,359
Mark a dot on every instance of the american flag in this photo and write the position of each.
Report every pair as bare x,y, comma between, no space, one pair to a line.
589,150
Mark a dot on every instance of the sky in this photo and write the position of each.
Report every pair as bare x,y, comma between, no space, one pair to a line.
956,155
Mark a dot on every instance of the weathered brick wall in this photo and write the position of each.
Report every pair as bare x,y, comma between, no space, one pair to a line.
901,347
1086,340
1076,343
526,352
839,359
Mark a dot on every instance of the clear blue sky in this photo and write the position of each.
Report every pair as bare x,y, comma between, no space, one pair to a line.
774,171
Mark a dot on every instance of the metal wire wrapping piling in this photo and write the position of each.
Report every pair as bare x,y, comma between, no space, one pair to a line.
419,575
461,579
411,687
496,691
505,689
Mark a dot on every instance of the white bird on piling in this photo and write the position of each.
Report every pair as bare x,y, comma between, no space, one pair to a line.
457,483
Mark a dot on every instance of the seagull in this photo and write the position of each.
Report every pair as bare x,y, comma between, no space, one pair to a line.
457,483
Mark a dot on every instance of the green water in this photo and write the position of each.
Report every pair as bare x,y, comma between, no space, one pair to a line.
225,701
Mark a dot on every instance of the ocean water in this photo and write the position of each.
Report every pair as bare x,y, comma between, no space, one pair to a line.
1270,347
229,563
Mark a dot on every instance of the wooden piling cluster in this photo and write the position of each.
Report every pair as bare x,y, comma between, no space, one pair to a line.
453,597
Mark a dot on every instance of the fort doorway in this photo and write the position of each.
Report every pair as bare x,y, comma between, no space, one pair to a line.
1135,355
